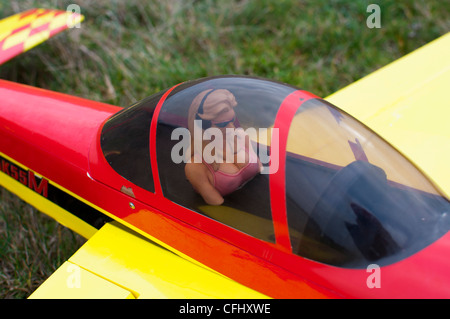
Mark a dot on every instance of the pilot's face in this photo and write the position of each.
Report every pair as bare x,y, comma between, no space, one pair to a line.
225,119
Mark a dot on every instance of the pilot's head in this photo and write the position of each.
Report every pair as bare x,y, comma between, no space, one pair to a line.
214,107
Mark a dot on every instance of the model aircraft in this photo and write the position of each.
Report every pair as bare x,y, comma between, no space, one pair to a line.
348,202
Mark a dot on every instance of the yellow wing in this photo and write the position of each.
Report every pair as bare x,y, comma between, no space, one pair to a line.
23,31
118,263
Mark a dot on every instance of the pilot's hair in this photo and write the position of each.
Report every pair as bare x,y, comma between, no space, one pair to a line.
211,102
216,102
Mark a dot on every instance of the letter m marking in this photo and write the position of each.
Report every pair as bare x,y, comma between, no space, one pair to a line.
42,188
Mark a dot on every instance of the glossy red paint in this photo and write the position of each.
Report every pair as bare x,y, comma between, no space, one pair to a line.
57,136
277,179
152,137
60,124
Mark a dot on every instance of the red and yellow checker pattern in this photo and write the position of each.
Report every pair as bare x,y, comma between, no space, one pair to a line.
23,31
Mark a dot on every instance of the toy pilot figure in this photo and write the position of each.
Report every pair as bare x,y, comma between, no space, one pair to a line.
215,175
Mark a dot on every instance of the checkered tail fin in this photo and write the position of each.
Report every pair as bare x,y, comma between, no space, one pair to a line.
23,31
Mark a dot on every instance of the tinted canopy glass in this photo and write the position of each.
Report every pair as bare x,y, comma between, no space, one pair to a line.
125,142
243,104
352,199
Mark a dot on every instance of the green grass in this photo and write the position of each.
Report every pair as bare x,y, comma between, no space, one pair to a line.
31,246
127,50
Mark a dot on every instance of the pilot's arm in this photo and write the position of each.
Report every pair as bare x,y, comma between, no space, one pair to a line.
197,175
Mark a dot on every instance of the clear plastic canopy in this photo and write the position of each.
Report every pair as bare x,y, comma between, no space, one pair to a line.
351,199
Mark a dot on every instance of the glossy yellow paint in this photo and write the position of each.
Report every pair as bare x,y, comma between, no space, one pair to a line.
73,282
147,270
406,102
43,204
